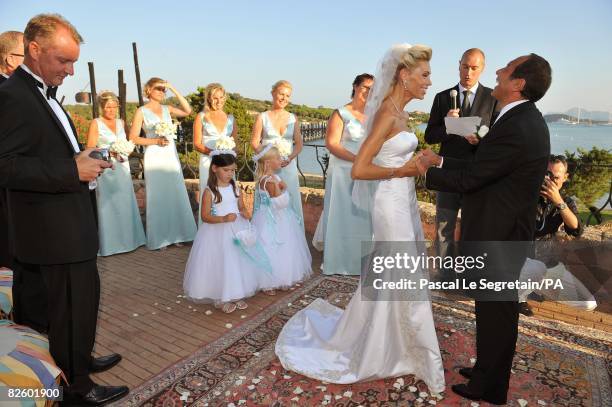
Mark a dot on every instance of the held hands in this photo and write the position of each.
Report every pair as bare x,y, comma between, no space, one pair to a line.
285,163
89,168
230,217
550,190
427,159
162,141
282,186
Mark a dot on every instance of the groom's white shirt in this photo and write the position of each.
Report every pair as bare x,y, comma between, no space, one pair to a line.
508,107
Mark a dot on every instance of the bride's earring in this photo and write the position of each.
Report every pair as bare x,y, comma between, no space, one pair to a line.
405,83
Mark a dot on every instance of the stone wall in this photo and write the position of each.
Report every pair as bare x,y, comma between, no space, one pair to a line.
312,201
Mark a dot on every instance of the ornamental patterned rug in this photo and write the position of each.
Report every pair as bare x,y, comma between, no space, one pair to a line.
556,364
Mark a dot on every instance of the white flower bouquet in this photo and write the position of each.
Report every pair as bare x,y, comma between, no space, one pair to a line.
167,130
225,143
284,147
122,148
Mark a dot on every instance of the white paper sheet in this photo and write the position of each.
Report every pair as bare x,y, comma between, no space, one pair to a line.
462,126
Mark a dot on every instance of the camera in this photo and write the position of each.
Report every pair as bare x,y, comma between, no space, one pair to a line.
100,154
548,175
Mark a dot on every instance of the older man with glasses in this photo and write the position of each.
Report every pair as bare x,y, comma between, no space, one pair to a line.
11,53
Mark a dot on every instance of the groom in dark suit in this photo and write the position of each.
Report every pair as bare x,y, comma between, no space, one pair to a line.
500,188
52,221
472,99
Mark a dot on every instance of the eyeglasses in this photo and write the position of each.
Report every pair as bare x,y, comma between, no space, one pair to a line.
18,55
160,88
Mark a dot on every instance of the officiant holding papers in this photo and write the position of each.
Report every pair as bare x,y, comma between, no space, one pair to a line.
467,98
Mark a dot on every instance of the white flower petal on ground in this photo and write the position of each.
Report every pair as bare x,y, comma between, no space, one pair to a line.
338,397
251,387
208,312
412,389
298,390
474,404
400,381
322,388
243,316
134,315
472,360
423,395
541,402
238,382
433,402
256,354
522,402
296,398
286,377
327,397
228,326
348,394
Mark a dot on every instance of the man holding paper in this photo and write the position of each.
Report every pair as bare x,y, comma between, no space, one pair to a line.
453,103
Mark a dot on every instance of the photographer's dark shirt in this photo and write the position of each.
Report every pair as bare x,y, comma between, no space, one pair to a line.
553,220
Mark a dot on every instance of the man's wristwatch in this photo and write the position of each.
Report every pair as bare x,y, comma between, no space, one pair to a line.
562,206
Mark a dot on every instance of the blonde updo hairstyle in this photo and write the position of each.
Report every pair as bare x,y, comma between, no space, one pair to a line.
105,97
281,84
409,60
260,170
151,84
211,88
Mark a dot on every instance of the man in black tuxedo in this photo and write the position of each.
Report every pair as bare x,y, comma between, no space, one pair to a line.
52,221
472,99
500,188
11,55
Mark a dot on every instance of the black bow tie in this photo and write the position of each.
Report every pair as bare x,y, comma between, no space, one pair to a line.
51,90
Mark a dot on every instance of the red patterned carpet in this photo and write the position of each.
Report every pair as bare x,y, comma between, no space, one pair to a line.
556,364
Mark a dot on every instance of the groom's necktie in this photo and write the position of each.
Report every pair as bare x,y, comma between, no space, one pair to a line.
465,106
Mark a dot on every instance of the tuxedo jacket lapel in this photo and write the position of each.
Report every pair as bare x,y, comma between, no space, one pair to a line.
34,88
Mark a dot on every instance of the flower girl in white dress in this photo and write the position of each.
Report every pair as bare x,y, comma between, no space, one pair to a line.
225,259
278,226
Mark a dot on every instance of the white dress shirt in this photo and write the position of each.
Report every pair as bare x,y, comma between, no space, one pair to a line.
5,75
57,109
473,89
508,107
61,115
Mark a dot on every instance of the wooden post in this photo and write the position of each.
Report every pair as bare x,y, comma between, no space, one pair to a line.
94,94
122,89
137,68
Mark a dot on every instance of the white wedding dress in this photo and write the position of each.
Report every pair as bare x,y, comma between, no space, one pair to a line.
371,339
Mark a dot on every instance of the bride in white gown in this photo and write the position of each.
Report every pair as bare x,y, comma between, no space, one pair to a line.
376,339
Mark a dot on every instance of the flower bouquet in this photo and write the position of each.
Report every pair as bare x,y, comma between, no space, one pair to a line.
122,148
166,130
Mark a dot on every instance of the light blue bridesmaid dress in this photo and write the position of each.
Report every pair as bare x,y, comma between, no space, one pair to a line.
169,214
119,224
342,226
210,135
288,174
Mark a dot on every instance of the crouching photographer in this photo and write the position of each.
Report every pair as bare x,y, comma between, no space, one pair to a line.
554,209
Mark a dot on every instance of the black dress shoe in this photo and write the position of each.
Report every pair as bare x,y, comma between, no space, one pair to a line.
97,396
465,392
466,372
525,309
103,363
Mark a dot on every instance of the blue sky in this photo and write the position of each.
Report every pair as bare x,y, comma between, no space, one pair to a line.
321,45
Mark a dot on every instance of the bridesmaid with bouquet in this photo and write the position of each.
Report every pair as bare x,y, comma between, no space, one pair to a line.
169,218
